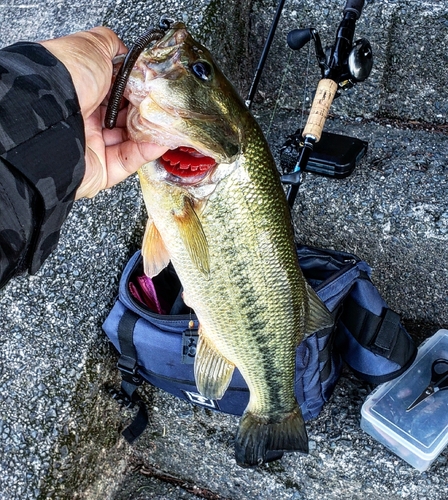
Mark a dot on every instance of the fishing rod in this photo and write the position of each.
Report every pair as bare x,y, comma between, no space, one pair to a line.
264,54
342,65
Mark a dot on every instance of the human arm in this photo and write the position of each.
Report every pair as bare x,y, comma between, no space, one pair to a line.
52,146
110,156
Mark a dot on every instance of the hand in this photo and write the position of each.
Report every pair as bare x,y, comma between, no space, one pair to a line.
110,155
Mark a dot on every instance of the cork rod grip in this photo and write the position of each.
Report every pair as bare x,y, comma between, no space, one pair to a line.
326,90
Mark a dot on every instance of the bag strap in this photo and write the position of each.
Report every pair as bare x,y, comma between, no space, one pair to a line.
383,335
130,378
325,353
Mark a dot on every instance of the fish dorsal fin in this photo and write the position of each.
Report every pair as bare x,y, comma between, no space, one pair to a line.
155,255
212,371
318,316
193,236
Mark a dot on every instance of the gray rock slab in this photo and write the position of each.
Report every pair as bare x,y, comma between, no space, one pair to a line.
195,446
392,211
41,19
59,429
54,415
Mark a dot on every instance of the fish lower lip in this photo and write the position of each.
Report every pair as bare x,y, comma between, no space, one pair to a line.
186,181
187,165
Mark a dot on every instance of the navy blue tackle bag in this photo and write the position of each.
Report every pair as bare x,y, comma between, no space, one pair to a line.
156,335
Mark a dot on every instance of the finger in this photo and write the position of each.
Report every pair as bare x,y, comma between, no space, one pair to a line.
126,158
114,136
110,41
122,114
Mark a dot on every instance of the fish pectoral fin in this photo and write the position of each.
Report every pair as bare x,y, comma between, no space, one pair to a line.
193,236
262,439
212,371
155,255
318,316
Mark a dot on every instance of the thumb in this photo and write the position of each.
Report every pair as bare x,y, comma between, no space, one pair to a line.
127,157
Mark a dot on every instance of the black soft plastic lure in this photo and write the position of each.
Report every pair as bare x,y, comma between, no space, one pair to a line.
121,80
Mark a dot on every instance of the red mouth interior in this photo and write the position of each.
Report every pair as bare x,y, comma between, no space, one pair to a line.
186,162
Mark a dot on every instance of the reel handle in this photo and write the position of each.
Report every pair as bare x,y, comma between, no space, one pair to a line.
298,38
325,93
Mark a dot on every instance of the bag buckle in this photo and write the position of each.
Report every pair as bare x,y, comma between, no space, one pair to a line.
129,369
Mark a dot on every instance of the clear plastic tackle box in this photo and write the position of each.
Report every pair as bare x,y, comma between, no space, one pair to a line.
420,434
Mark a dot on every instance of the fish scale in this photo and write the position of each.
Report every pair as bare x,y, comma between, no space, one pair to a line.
229,236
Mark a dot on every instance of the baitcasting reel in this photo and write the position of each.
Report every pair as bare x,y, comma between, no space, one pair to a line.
345,62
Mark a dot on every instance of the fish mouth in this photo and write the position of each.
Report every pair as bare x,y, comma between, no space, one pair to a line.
187,165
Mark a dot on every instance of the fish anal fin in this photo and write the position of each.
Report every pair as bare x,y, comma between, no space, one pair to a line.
193,236
155,255
212,371
261,439
318,316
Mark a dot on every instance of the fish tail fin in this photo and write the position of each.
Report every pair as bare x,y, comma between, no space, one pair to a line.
261,439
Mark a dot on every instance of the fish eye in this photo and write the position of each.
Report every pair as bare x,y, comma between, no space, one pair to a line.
202,70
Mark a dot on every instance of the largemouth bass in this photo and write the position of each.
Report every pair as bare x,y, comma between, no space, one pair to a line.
218,212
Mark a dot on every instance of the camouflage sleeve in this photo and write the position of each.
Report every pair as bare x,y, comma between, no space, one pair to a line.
41,155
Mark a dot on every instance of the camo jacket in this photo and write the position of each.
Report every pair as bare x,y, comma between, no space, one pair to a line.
41,155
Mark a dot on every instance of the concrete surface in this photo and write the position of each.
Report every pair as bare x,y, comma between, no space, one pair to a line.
60,431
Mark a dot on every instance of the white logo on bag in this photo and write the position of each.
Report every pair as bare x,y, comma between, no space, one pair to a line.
198,399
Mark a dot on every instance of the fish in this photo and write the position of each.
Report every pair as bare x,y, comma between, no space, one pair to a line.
217,211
